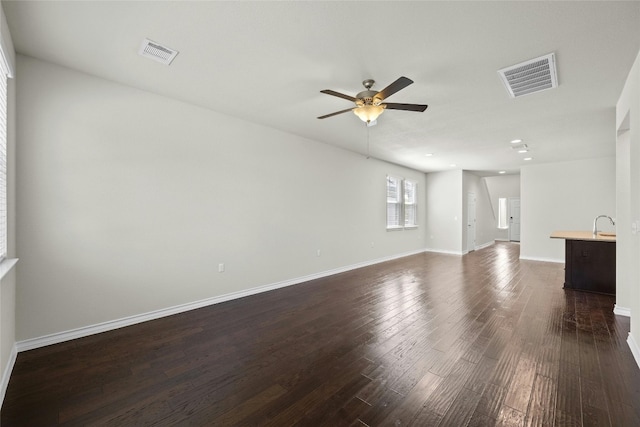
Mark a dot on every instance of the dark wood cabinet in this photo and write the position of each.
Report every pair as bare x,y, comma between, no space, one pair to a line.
590,266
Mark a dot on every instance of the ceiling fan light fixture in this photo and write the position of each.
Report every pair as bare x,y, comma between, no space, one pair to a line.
368,113
369,103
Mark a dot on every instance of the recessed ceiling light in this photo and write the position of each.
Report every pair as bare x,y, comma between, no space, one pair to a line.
502,172
428,155
453,165
528,158
516,141
524,150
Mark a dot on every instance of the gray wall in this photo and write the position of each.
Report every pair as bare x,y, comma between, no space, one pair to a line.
128,202
444,211
563,196
447,211
628,193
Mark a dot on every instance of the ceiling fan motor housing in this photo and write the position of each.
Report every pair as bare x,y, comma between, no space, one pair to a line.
368,97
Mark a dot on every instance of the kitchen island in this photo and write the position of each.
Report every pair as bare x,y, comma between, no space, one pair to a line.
590,261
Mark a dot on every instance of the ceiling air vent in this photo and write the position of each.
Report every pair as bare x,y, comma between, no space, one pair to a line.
530,76
157,52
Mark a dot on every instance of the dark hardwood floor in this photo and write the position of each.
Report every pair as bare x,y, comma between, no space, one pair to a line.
427,340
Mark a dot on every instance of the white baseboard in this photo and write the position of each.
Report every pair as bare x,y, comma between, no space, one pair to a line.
6,375
445,252
621,311
486,245
635,350
85,331
528,258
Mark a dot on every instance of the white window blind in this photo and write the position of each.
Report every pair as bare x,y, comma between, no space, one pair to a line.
3,160
402,203
394,202
410,204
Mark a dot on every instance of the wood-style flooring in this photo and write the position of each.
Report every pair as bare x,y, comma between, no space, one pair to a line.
428,340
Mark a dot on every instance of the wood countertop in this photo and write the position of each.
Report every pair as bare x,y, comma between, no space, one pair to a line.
584,235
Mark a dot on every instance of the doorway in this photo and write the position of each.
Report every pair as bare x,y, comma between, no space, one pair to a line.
514,219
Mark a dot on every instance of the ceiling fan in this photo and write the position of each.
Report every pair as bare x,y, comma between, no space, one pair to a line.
369,103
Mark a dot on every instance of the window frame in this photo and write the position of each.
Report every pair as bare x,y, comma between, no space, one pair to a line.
401,211
5,74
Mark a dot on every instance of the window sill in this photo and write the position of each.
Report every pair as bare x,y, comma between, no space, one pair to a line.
413,227
6,265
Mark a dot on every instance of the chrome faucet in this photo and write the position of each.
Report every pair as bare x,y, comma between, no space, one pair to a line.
595,223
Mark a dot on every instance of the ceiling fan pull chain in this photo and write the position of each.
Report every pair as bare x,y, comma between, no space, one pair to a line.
368,151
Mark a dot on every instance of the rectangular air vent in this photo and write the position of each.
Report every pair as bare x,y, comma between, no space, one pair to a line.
530,76
157,52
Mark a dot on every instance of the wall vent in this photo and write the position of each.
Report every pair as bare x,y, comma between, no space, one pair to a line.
157,52
530,76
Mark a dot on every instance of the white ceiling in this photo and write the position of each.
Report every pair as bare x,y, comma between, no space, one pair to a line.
266,62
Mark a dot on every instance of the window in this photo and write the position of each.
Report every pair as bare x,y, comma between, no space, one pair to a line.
502,214
4,74
402,203
410,204
394,202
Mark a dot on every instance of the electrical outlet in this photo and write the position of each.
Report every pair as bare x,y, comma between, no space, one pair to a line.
318,252
221,268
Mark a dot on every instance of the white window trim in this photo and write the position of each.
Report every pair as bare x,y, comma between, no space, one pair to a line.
7,72
401,227
405,204
6,265
399,197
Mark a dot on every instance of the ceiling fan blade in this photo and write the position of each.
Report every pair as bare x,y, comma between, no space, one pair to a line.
394,87
338,94
406,107
335,114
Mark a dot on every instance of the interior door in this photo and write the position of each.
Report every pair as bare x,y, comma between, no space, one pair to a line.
471,222
514,219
